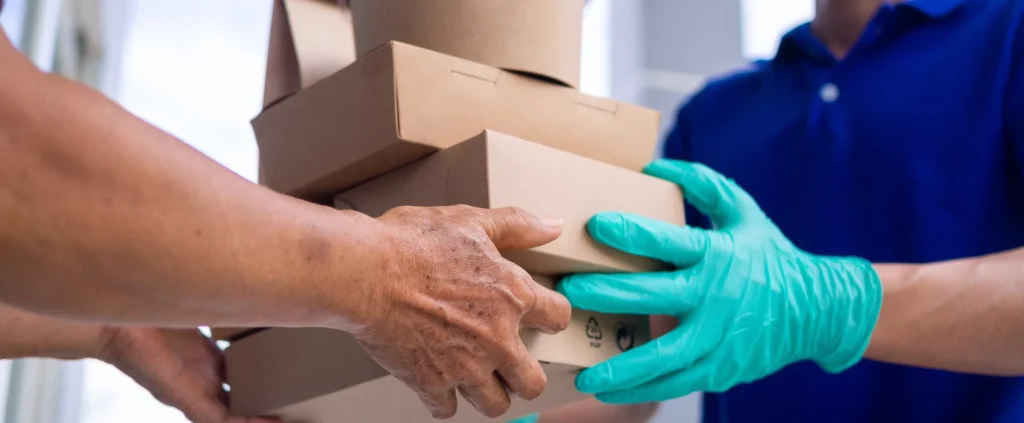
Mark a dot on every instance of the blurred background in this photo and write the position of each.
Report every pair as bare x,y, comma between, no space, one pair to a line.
195,68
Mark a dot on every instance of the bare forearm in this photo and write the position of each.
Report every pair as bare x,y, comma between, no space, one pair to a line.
110,219
962,315
24,334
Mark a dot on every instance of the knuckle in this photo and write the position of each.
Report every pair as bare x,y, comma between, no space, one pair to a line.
462,209
564,313
467,376
402,211
515,217
514,212
518,295
514,275
506,346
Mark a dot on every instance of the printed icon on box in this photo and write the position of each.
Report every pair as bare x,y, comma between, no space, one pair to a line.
594,333
624,337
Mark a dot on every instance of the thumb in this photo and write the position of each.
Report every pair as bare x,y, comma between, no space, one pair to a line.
516,229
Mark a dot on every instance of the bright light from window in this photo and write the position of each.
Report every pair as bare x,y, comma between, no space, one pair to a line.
764,22
595,76
11,19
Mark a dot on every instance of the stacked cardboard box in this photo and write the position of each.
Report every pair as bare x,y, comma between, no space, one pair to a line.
452,102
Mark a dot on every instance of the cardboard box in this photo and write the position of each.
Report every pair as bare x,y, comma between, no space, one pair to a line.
320,375
309,40
540,37
400,103
494,170
230,334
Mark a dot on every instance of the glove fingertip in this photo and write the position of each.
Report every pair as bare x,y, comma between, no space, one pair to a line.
590,380
606,227
666,169
578,290
567,286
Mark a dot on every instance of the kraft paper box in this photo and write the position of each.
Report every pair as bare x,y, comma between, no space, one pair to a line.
540,37
230,334
309,40
494,170
400,103
324,376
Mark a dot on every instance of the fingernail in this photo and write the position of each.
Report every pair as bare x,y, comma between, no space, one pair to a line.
552,222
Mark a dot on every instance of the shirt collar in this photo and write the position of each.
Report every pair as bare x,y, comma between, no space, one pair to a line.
800,41
934,8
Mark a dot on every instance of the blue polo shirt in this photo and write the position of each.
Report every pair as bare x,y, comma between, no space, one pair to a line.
911,149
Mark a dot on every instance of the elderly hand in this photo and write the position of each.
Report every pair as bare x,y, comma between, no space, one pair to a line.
447,309
180,368
750,301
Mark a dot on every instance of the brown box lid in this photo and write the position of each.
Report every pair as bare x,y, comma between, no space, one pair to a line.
316,375
400,103
309,40
494,170
541,37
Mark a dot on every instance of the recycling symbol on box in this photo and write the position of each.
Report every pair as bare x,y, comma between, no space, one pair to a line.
593,330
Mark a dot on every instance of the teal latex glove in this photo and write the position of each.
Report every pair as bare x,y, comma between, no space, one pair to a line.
750,302
532,418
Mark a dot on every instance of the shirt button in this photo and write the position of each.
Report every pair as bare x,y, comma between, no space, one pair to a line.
829,93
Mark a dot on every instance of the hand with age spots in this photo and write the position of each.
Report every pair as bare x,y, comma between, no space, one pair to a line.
450,307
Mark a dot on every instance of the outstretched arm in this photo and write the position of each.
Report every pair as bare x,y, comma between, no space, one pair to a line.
105,218
751,302
110,219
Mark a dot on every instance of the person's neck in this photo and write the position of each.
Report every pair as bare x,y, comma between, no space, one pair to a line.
840,23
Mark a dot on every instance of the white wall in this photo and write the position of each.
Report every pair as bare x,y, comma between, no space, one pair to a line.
5,378
11,19
763,22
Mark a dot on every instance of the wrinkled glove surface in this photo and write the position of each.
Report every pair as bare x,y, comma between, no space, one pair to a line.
749,301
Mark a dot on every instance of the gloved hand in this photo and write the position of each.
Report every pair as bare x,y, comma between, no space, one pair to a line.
750,302
532,418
